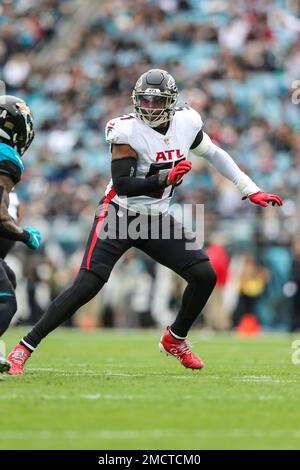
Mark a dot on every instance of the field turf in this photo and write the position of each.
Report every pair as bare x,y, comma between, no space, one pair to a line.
114,390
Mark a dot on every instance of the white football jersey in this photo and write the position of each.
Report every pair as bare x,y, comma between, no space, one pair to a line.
155,152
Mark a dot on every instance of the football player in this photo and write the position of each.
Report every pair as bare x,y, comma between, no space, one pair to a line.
16,135
149,158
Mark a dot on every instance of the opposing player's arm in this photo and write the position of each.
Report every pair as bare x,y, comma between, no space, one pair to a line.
8,227
125,181
221,160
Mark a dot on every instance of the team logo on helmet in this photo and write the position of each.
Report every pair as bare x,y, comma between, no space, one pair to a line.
16,123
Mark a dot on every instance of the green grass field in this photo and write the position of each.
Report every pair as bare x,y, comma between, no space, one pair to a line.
114,390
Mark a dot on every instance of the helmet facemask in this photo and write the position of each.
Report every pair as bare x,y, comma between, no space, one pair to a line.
22,141
154,102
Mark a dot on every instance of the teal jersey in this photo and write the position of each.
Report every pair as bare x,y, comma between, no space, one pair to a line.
11,163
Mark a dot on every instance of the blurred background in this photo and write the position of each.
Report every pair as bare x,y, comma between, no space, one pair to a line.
76,62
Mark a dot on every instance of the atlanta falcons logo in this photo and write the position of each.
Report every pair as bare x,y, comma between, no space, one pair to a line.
168,155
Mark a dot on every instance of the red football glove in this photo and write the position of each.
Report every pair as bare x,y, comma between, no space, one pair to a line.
263,199
177,173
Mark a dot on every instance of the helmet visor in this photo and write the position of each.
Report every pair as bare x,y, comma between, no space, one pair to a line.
153,102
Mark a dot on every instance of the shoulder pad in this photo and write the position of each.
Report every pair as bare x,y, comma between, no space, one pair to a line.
191,116
10,162
118,130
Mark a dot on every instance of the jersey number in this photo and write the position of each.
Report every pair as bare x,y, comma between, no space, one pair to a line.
155,168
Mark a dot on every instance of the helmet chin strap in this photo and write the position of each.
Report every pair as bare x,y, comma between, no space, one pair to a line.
158,123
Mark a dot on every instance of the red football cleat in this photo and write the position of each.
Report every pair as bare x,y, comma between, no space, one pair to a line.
17,358
180,349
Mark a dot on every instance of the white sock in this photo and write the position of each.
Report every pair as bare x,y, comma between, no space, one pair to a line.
176,336
28,346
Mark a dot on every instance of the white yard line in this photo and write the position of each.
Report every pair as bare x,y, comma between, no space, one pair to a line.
92,373
190,375
89,396
132,397
153,433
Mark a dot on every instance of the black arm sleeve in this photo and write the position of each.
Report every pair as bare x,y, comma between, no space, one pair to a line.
123,171
198,140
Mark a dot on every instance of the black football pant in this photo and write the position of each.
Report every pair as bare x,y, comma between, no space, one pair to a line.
104,250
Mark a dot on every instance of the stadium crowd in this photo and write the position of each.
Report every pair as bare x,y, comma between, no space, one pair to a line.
237,64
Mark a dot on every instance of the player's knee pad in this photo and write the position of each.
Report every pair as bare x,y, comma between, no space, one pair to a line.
8,307
88,282
202,274
83,289
87,285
